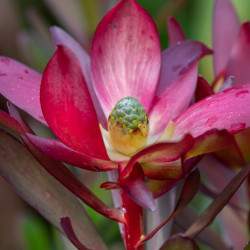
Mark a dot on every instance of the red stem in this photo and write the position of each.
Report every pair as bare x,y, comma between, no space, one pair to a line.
135,226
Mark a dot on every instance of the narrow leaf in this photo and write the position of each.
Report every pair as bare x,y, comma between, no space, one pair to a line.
179,242
136,188
69,231
49,197
64,175
208,236
56,149
216,206
189,189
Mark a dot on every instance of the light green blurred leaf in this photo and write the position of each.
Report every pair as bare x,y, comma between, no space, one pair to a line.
36,234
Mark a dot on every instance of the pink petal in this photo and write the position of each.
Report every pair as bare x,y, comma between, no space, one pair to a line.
126,56
60,37
225,31
177,83
67,105
225,110
175,32
161,152
239,61
21,85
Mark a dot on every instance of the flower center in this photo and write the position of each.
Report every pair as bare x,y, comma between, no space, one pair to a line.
128,126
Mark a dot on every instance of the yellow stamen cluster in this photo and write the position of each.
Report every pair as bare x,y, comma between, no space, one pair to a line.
128,126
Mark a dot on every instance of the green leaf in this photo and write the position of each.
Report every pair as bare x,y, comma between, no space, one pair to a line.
35,233
247,247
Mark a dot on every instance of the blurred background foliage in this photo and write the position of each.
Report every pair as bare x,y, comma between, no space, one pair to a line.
24,32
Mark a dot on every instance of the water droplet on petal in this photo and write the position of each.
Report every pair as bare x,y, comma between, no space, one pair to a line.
130,38
237,127
242,94
210,121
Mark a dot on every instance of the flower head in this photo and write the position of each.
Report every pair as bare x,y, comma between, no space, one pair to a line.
77,93
128,126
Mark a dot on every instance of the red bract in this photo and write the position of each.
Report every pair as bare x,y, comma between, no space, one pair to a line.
77,93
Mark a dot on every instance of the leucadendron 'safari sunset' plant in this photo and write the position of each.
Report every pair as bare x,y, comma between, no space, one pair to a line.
126,110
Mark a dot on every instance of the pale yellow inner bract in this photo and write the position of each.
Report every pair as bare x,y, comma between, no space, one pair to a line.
128,142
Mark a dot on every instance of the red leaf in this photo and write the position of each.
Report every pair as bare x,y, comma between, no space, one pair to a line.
63,174
211,141
189,189
208,236
69,231
216,206
203,89
160,152
158,188
43,192
179,242
163,171
136,188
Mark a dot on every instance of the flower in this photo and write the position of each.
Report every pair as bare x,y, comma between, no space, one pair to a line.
76,94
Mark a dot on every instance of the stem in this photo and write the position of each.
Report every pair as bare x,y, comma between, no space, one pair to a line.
134,229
